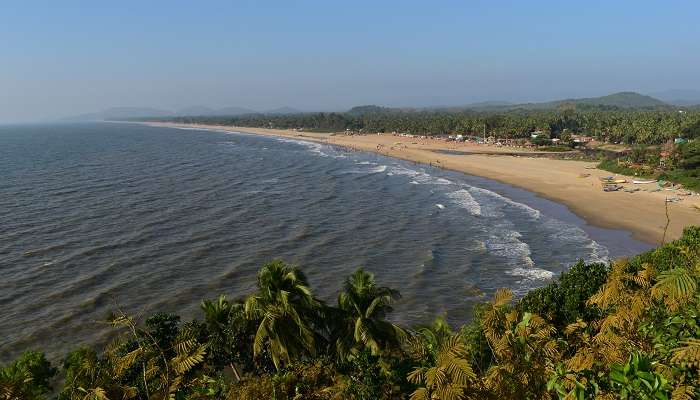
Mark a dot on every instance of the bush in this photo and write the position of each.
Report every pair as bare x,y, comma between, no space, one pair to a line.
27,378
564,302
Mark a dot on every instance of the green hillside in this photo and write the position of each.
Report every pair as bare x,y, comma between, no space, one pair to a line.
622,100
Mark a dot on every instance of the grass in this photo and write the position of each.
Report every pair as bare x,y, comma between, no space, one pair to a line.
685,178
688,179
614,167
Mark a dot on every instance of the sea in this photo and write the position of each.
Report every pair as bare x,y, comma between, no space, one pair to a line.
98,217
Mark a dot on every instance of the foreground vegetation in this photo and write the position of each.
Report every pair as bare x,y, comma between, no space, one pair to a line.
625,330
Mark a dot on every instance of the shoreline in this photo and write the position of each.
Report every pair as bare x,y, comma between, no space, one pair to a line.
643,213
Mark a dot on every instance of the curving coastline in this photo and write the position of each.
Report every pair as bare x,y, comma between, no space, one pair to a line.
642,213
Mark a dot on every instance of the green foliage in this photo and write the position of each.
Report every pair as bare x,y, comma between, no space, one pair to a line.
617,167
28,377
286,310
365,378
564,301
163,328
363,306
636,379
690,155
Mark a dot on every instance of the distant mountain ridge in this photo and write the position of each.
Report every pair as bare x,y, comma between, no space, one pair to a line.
121,113
621,100
283,110
117,113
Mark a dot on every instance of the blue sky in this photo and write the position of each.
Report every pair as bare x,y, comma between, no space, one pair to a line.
67,57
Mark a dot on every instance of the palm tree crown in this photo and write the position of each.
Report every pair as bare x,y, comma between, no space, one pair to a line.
285,307
366,305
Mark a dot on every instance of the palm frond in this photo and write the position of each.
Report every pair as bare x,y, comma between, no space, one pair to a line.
688,355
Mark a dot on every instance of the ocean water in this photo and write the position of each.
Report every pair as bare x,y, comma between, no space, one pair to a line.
98,216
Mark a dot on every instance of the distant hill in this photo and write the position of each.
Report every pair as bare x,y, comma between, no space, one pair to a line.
620,100
200,111
120,113
117,113
624,100
196,110
369,109
283,110
235,111
489,104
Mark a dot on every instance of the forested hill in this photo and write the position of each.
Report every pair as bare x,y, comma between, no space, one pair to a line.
620,100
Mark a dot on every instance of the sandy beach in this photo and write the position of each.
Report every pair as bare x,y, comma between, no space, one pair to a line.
575,184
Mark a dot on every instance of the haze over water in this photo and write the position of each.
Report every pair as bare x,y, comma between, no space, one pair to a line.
157,219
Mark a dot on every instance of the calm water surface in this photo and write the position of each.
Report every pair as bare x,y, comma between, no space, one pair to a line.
156,219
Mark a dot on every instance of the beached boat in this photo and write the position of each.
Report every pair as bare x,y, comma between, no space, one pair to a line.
612,188
643,182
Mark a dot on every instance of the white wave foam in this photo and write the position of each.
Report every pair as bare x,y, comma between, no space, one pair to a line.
533,274
365,163
519,257
377,169
316,148
465,200
509,246
397,170
599,253
419,177
531,212
313,147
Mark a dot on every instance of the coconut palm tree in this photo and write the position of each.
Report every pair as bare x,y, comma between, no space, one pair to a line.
285,308
228,331
363,306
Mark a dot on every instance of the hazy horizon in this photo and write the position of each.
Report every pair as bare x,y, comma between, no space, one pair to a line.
84,57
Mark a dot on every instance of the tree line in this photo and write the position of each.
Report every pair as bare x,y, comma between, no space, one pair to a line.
628,329
609,124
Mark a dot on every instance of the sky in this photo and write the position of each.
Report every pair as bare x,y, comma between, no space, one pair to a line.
60,58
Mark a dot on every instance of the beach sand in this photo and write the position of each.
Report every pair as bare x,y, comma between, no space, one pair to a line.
642,213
